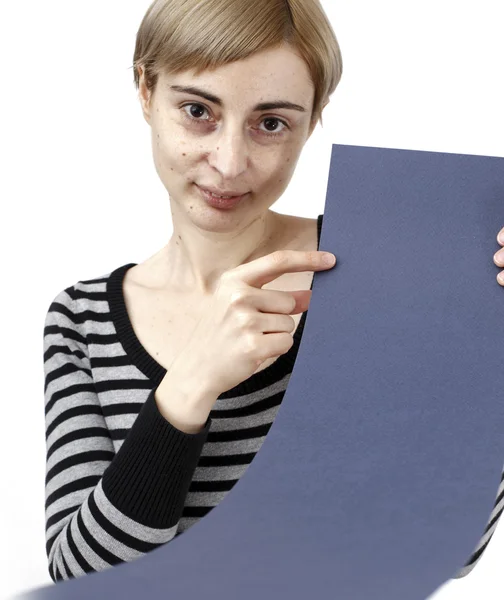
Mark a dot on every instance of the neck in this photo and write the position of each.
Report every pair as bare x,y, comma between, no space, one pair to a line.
201,249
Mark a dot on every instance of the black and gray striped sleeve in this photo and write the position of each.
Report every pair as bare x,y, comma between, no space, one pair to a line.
488,533
102,507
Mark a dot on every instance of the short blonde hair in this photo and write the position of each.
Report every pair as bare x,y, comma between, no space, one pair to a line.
176,35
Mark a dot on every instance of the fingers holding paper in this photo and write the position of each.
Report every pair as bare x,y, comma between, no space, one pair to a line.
499,257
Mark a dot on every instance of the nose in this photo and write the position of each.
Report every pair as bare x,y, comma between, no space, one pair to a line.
229,153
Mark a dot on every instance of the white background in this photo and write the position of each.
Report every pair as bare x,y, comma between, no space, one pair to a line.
80,195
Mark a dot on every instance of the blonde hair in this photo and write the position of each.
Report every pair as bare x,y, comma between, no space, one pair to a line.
176,35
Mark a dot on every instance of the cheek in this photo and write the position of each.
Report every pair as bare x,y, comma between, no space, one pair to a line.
176,162
278,173
171,152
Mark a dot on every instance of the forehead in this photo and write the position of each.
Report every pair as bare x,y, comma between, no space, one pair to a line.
272,74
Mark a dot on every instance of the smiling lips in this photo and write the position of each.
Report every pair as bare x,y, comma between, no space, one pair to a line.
222,193
220,202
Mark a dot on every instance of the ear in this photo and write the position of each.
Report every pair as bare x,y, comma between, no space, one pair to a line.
144,94
313,125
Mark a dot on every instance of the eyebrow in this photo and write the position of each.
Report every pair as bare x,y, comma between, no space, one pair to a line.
212,98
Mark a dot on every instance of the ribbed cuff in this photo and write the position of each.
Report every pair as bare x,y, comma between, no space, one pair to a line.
149,477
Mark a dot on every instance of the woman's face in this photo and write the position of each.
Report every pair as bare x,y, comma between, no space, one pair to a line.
227,142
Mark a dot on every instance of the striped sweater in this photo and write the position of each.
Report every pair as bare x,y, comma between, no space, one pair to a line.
120,479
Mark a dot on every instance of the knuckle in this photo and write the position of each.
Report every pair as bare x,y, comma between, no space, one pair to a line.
280,257
285,323
238,297
245,319
228,278
313,257
289,341
250,344
226,275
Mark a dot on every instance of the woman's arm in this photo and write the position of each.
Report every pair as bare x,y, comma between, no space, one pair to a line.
487,536
104,508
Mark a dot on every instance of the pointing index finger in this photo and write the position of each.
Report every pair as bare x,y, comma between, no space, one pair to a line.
267,268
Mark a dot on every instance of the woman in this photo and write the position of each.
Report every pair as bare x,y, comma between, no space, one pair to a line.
159,385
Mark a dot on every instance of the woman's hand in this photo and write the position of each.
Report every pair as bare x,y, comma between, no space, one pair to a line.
499,257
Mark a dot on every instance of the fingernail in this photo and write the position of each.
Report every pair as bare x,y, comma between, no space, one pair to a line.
329,259
501,237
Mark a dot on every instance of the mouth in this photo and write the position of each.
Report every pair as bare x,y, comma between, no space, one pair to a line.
224,202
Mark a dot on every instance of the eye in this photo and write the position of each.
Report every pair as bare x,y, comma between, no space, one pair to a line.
191,116
274,133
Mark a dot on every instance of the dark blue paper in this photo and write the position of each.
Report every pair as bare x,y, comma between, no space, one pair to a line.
381,468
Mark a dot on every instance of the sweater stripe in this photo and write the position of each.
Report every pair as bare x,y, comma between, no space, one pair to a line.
120,479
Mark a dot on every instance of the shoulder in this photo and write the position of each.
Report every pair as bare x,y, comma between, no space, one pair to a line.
62,304
69,308
67,298
61,324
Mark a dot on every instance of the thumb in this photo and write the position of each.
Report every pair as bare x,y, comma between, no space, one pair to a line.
302,298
